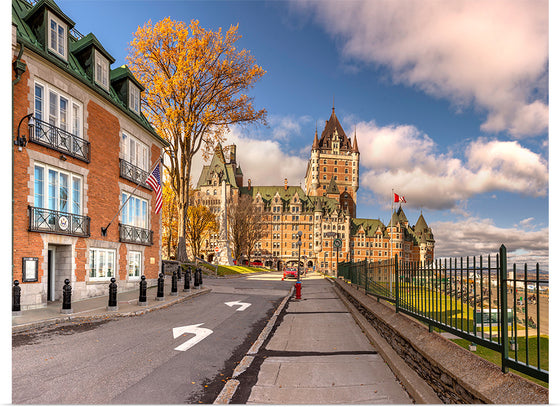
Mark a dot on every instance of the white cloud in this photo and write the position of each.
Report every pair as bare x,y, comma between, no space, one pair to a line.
262,161
475,236
493,55
283,127
404,159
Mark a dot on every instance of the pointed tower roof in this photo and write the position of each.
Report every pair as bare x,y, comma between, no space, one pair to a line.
401,215
394,219
355,144
421,224
318,206
333,187
315,141
327,134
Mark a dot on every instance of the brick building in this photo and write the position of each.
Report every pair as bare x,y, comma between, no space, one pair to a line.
82,148
324,212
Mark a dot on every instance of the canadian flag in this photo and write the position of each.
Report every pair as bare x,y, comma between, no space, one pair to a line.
399,198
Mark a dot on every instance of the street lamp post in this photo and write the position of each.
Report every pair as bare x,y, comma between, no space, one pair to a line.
331,235
298,282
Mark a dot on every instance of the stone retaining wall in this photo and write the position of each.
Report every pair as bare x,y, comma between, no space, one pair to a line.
455,374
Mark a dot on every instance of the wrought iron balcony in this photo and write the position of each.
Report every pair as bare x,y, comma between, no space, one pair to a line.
50,136
133,173
62,223
133,234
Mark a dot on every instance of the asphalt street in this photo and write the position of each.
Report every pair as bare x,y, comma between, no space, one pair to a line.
143,359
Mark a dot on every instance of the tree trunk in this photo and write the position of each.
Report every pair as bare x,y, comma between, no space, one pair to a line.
181,252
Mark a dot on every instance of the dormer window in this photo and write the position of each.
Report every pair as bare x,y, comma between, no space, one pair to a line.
134,98
101,70
57,36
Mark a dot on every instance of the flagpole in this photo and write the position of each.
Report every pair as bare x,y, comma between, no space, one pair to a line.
104,229
391,237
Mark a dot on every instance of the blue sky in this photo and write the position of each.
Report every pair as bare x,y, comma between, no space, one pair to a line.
449,101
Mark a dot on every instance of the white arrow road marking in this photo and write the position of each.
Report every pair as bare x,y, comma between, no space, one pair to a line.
243,305
200,334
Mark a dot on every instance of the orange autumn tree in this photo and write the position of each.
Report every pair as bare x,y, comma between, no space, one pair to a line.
168,220
201,222
195,82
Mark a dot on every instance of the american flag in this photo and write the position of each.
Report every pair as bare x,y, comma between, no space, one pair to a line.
154,180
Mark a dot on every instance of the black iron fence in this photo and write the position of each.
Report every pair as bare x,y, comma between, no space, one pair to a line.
480,299
48,135
62,223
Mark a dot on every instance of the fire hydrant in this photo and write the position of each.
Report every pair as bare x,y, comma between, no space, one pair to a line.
298,290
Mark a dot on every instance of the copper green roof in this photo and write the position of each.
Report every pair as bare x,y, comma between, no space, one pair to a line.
91,40
369,225
124,72
332,188
219,166
22,11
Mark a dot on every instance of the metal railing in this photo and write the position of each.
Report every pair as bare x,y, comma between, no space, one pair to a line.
50,136
133,234
475,298
62,223
133,173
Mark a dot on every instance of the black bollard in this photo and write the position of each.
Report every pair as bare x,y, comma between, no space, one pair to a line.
143,297
178,272
112,306
160,282
174,284
199,278
16,299
187,286
66,298
196,278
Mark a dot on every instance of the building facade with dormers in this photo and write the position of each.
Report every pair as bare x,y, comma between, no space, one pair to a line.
324,212
82,150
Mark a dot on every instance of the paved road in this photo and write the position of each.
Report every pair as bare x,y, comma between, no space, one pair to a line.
133,360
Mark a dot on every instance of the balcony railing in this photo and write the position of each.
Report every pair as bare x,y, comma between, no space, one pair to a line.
133,234
133,173
50,136
62,223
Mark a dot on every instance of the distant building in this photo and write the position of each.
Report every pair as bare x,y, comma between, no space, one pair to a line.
81,145
323,212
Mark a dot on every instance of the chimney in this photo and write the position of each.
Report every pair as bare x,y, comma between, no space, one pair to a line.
285,184
249,184
232,153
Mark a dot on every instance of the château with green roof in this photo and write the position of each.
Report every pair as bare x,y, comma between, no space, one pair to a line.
324,211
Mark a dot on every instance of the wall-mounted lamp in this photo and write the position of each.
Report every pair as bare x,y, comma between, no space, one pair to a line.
62,157
21,140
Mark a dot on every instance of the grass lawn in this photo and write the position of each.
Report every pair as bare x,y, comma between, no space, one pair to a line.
496,358
232,270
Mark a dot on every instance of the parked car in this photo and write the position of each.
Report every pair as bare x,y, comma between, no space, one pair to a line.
290,272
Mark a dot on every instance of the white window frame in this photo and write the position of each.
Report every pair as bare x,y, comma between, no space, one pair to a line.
45,197
139,219
101,68
134,256
134,151
56,45
133,97
71,121
95,254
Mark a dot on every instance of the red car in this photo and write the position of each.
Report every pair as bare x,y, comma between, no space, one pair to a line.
290,272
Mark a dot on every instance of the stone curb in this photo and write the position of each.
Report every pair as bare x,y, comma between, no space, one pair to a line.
416,387
102,316
230,387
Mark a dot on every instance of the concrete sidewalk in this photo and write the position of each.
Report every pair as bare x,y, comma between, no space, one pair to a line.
93,309
315,354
